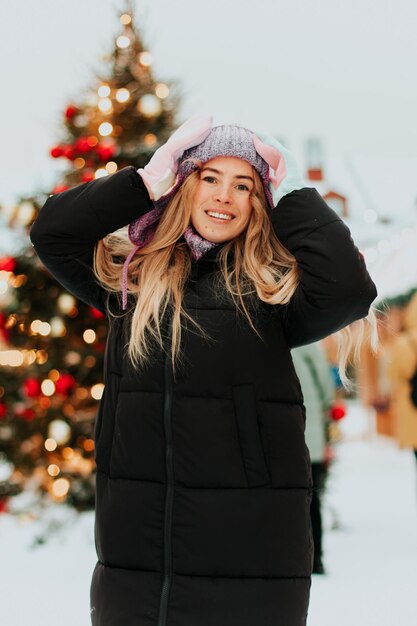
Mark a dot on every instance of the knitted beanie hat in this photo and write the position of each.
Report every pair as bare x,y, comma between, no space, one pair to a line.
227,141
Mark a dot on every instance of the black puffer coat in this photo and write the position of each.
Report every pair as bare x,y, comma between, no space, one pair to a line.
203,482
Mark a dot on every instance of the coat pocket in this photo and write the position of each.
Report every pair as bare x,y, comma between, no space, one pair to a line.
257,472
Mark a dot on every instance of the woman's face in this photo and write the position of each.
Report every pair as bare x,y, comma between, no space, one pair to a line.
222,205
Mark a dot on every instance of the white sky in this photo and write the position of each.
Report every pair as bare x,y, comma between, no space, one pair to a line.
343,71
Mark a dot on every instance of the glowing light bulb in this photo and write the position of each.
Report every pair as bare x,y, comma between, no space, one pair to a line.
48,387
105,105
162,90
105,129
97,391
50,444
150,139
122,95
145,58
149,105
89,335
123,41
125,19
60,487
53,470
103,91
101,172
111,167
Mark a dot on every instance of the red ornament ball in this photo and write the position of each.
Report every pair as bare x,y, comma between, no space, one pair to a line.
3,410
87,175
28,414
337,412
82,145
70,111
68,151
3,505
32,387
105,151
7,264
56,152
65,384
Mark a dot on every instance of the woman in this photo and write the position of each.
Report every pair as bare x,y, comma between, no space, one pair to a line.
203,475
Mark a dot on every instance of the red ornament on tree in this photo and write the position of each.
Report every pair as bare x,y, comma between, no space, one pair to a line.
105,151
56,152
7,264
70,111
28,414
337,412
82,145
3,410
32,387
3,505
68,152
87,175
64,384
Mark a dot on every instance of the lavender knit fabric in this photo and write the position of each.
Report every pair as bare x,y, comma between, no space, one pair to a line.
227,140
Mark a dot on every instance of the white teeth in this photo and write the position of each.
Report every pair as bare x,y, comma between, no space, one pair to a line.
222,216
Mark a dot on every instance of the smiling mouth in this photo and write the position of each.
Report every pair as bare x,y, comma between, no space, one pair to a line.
219,216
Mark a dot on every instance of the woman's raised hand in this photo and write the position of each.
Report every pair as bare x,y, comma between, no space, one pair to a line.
285,175
159,174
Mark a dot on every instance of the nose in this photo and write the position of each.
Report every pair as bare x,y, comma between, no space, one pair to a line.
222,194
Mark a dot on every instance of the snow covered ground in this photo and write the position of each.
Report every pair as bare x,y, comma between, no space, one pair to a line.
370,515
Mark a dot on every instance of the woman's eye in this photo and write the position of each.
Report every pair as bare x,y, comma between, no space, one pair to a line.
209,179
243,187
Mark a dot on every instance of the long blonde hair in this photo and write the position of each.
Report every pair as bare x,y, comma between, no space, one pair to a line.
255,262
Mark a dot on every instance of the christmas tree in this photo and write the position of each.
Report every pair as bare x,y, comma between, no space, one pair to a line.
51,344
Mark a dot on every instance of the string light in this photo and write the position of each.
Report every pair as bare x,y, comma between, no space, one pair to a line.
66,303
50,444
89,335
122,95
105,129
103,91
125,19
105,105
60,487
54,375
111,167
41,357
149,139
48,387
101,172
14,358
59,431
79,163
53,470
92,141
145,59
97,391
149,105
123,41
58,327
162,90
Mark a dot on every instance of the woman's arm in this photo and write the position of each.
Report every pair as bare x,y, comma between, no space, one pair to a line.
335,288
71,222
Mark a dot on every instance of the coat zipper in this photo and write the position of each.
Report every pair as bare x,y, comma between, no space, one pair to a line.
168,390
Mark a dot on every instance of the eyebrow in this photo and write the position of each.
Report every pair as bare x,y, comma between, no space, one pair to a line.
211,169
